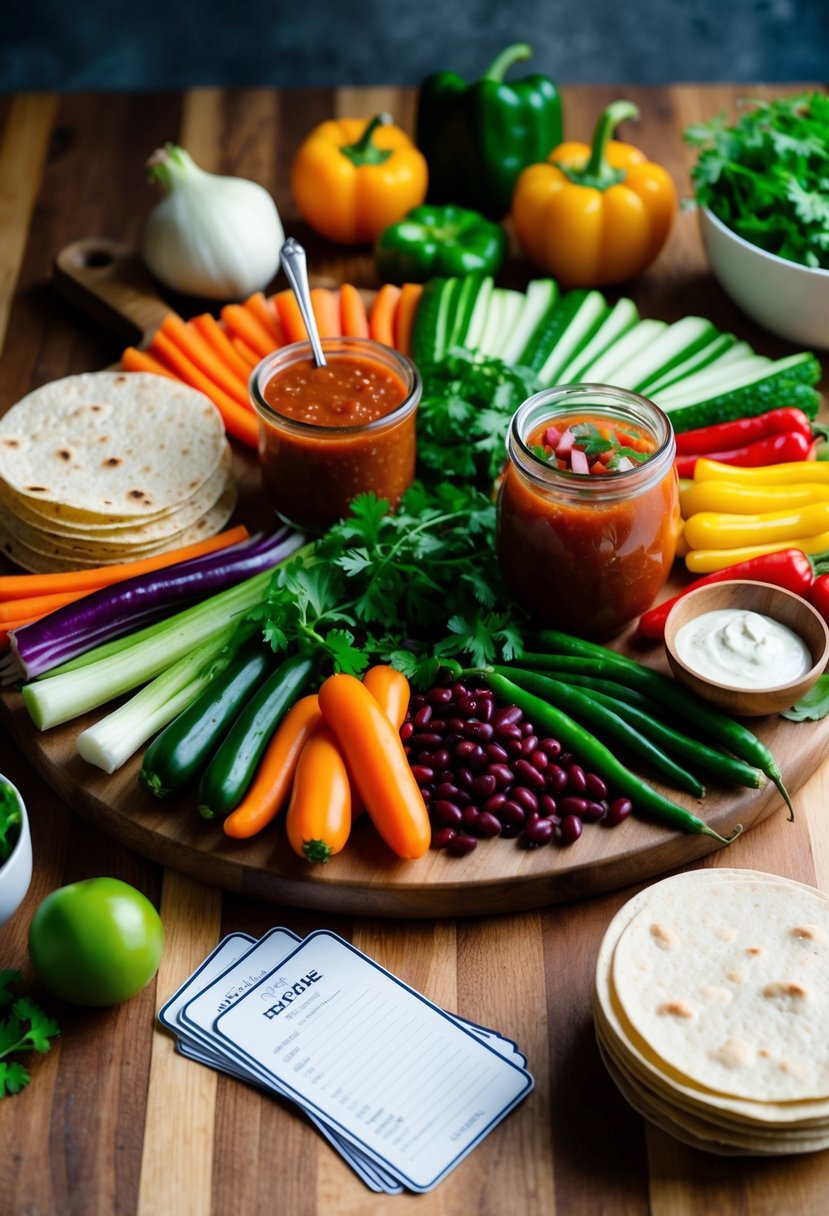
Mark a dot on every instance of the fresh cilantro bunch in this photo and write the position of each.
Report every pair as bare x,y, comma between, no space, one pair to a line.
463,416
23,1027
766,176
383,586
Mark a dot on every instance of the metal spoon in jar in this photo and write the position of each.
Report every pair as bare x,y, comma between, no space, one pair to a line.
296,272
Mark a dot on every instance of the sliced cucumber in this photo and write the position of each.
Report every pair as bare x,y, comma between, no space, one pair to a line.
710,379
603,370
539,300
475,326
583,325
679,341
552,327
787,381
432,320
505,306
468,292
705,357
622,317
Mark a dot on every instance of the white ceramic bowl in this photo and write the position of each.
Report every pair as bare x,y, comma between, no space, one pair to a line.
16,872
787,299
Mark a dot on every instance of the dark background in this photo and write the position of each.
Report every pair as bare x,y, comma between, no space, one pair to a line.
157,44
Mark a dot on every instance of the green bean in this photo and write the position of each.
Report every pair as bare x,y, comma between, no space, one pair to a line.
581,705
601,760
588,658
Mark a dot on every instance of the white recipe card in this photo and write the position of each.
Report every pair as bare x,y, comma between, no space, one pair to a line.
382,1066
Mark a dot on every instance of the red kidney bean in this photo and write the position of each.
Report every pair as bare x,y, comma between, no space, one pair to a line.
527,729
426,794
576,779
459,691
456,725
510,830
448,814
496,753
471,752
569,829
464,778
442,758
427,740
529,744
461,844
406,731
513,815
565,759
595,788
508,716
424,758
555,778
513,747
487,825
525,798
423,716
415,701
494,805
538,831
546,806
439,696
484,785
481,732
508,731
593,811
486,707
443,837
422,774
539,760
528,775
551,748
502,774
470,817
572,805
446,774
446,789
618,811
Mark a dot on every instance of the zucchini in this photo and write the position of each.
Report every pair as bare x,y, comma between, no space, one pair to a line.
475,326
713,353
225,780
622,317
679,342
432,320
183,748
788,381
603,369
583,325
711,379
539,301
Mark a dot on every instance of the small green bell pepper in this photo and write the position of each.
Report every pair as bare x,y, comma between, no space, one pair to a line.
439,242
478,137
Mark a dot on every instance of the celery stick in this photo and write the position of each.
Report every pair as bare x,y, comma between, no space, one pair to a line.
113,739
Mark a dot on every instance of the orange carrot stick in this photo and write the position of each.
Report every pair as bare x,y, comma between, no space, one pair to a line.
290,317
265,314
214,334
410,294
239,420
381,318
37,605
20,586
135,360
245,352
190,342
241,322
353,312
326,306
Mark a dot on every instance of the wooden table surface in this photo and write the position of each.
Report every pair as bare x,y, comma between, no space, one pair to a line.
114,1121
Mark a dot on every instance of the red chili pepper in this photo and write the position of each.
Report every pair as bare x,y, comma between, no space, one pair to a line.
818,595
789,568
777,449
724,435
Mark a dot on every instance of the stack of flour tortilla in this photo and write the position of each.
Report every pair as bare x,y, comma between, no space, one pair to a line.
711,1008
106,467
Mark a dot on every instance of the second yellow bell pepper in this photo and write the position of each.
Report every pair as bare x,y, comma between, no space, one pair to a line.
351,178
594,215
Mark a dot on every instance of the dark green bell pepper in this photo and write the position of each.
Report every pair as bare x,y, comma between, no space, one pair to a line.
439,242
478,137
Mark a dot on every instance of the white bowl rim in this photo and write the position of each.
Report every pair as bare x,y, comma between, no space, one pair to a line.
716,222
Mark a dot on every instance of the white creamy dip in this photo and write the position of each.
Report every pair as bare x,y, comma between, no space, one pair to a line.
742,649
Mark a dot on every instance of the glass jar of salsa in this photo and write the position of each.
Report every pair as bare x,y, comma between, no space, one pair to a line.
588,550
327,434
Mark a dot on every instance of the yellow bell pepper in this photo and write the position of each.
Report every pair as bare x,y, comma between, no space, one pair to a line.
351,178
791,473
706,561
594,215
719,530
737,498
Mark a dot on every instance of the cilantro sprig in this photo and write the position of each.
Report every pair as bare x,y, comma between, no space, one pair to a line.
383,586
766,175
23,1027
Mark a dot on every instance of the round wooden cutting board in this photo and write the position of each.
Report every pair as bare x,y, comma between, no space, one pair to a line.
500,876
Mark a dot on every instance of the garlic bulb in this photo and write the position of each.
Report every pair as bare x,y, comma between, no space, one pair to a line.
212,236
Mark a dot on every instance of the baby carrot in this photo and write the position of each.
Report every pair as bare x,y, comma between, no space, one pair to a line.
410,294
190,342
381,318
326,306
240,420
353,312
215,335
265,313
135,360
318,819
290,317
269,789
241,321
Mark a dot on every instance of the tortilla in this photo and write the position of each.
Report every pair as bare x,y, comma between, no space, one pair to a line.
110,446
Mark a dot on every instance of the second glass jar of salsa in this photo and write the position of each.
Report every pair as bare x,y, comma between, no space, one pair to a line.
588,508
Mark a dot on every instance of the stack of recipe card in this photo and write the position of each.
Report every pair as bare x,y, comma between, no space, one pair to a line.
400,1088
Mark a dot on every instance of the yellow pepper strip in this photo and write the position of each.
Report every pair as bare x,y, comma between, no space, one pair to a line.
706,561
791,473
594,215
682,549
747,499
351,178
718,530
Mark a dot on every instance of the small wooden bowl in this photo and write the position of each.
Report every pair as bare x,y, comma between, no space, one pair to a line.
783,606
